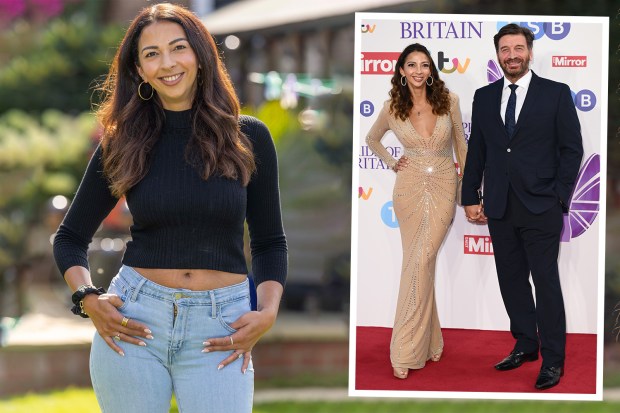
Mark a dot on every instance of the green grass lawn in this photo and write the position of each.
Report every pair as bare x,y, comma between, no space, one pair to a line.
70,400
83,401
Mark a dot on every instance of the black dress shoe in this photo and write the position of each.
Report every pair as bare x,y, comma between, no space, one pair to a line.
515,359
548,377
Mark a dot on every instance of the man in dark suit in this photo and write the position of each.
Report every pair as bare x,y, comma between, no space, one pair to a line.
526,144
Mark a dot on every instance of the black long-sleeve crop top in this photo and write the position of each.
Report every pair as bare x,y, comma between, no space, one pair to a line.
180,220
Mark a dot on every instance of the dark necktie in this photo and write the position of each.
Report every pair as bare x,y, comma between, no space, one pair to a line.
510,111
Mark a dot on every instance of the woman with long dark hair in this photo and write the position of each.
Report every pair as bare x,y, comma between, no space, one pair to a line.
176,319
426,119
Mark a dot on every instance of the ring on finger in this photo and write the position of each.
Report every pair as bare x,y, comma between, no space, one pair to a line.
231,340
124,322
239,355
117,337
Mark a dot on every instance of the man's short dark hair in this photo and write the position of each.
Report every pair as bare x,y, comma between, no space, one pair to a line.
513,28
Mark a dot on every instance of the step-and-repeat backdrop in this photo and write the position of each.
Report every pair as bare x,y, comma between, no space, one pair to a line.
571,50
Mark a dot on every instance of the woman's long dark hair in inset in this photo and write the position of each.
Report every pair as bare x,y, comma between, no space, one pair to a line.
436,94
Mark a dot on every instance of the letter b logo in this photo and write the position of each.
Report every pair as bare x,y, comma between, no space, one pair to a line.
557,31
367,108
585,100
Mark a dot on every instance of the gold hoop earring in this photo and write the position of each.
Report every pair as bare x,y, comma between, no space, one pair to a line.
403,80
140,92
432,80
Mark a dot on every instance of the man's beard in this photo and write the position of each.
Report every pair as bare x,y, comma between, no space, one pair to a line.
519,71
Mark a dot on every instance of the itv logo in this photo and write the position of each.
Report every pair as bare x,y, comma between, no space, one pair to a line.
364,194
367,28
456,64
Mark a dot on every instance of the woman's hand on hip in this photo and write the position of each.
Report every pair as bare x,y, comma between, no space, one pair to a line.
403,163
111,325
250,327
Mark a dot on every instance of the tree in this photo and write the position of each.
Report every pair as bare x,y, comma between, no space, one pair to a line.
57,67
39,159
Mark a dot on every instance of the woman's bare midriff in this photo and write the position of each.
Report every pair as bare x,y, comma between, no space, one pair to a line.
195,280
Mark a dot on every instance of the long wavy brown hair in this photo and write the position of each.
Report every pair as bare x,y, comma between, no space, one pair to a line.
132,126
437,94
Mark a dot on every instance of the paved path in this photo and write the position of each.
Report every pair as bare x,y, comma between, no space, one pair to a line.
49,322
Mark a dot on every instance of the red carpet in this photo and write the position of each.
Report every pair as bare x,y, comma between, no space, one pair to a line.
467,364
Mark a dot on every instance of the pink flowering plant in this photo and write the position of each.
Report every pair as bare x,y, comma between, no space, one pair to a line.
32,10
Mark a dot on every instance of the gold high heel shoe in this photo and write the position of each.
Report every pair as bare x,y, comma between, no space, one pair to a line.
400,373
436,357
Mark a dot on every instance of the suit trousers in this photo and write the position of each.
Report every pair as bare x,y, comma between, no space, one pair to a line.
525,243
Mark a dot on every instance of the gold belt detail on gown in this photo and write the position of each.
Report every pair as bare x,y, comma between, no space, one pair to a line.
422,152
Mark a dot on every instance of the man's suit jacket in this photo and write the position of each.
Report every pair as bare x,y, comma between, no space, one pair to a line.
541,160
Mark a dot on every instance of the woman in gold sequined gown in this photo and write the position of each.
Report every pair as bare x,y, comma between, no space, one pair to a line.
426,119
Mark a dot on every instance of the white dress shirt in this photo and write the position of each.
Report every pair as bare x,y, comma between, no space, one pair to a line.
523,84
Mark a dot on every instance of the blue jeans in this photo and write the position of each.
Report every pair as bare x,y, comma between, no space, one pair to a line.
146,377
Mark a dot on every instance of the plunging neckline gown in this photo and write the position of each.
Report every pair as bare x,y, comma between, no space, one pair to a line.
424,198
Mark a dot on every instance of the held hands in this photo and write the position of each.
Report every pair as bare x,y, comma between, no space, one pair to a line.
110,323
250,328
475,214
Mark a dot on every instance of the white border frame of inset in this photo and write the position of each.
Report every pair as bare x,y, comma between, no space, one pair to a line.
599,237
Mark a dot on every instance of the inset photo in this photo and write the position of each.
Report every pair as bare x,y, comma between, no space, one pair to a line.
478,237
